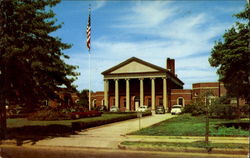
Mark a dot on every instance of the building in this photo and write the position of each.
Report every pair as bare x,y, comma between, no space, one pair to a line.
66,99
135,82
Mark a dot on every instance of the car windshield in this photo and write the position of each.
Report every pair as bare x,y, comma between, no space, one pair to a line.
176,107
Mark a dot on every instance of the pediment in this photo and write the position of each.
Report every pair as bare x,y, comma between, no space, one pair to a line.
133,65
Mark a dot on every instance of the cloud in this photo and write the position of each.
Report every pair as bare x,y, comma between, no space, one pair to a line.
146,15
98,4
188,39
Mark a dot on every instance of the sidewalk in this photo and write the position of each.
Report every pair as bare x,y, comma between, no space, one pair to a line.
106,136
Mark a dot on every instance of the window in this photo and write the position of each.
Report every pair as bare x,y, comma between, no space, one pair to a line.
180,101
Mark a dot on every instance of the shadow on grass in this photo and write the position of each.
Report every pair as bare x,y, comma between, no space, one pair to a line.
27,134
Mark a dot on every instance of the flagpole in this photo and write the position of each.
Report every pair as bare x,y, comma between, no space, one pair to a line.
89,81
88,45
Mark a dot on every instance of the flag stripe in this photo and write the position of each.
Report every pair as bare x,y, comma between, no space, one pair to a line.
88,32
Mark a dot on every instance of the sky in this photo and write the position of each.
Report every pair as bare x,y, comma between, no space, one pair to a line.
185,30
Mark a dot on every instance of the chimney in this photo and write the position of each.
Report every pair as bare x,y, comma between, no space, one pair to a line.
171,65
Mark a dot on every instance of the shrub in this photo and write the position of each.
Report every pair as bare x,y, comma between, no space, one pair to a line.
189,108
195,109
224,111
245,110
84,125
77,115
48,115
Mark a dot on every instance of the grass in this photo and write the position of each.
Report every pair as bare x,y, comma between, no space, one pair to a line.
187,125
192,144
20,122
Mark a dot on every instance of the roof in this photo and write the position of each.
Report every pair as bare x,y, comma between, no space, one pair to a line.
132,59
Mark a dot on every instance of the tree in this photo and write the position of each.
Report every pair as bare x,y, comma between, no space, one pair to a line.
32,63
232,57
84,98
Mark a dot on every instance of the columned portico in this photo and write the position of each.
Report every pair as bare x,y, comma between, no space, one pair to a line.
127,95
134,83
141,92
153,93
116,93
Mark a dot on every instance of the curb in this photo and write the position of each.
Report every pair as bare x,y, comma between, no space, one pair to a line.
193,150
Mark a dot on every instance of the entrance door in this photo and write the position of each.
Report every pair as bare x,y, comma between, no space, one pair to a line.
136,102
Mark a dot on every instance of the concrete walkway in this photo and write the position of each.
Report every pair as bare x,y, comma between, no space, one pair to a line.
106,136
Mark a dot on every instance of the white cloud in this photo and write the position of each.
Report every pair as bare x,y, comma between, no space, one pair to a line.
98,4
146,15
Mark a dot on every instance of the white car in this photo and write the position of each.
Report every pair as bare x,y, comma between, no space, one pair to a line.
114,109
176,109
142,108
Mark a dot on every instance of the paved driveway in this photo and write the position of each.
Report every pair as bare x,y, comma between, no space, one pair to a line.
106,136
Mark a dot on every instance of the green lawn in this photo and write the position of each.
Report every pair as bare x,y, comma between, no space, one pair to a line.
20,122
187,125
197,144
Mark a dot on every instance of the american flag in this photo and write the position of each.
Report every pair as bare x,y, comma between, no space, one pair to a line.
88,33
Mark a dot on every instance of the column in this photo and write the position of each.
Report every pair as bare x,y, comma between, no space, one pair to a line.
116,93
153,93
106,89
165,93
141,92
127,95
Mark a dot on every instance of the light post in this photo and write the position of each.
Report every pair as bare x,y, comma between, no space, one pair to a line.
139,115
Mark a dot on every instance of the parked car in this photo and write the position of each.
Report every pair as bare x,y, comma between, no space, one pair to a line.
143,108
114,109
160,109
176,109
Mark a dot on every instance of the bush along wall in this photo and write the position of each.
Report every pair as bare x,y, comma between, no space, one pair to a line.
83,125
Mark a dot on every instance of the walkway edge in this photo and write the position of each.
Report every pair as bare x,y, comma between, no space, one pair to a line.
196,150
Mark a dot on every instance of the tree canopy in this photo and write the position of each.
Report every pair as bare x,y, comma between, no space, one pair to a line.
32,63
232,57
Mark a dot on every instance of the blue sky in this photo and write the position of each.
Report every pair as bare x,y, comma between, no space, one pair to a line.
150,30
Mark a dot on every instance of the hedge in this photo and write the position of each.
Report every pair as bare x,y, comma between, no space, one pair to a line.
83,125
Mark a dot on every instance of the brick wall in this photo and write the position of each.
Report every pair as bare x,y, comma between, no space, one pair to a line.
186,94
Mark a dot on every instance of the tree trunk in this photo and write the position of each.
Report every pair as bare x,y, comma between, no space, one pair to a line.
3,122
